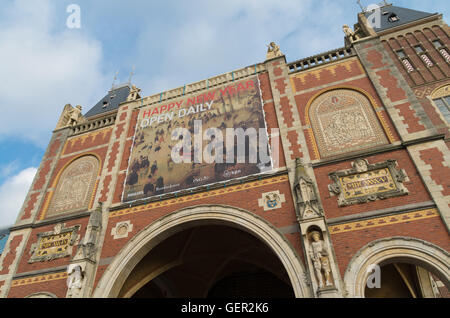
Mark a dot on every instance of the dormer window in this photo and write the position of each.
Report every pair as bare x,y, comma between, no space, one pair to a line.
393,18
105,104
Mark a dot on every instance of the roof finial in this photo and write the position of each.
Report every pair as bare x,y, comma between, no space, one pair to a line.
114,80
360,5
131,75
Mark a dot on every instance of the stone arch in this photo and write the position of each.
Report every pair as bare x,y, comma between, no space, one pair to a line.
41,295
130,255
74,186
383,251
440,100
343,119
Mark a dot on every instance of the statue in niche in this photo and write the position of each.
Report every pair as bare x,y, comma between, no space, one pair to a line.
75,281
319,258
273,51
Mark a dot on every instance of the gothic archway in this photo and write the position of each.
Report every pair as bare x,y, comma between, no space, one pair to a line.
395,250
113,279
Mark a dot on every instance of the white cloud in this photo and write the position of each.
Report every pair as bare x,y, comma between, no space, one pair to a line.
12,195
42,69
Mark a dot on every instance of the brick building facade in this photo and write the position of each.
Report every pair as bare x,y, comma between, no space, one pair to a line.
362,178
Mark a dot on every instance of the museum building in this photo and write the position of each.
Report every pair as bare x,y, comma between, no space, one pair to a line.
354,200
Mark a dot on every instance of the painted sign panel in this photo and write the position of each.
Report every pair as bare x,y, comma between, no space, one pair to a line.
207,118
54,244
367,183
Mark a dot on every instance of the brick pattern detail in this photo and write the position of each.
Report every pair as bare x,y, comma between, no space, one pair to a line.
433,161
55,283
383,221
403,107
9,254
347,243
87,141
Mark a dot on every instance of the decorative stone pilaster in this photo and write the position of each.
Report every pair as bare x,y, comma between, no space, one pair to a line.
81,270
320,258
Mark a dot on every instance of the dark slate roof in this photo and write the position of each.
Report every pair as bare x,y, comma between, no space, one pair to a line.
4,234
113,99
405,16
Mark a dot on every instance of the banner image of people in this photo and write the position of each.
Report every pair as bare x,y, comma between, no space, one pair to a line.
198,139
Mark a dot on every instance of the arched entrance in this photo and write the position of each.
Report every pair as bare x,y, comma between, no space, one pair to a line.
408,267
209,261
245,248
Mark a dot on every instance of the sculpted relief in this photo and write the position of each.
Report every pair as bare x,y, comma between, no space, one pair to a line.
343,120
75,186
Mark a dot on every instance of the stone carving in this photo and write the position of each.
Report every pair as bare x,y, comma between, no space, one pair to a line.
319,257
351,35
87,248
121,230
75,186
307,200
74,280
367,182
54,244
343,120
134,94
271,200
70,117
273,51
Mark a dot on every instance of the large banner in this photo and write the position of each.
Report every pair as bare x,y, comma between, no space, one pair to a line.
213,136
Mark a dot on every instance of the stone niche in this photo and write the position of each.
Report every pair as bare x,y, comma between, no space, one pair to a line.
367,182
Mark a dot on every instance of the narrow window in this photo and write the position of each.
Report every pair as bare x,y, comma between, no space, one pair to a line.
405,61
423,55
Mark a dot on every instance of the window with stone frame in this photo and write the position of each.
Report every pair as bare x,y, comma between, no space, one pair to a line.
441,99
423,55
442,49
344,120
74,190
405,61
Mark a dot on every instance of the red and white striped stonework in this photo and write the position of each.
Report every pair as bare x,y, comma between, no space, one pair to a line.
408,65
445,55
427,60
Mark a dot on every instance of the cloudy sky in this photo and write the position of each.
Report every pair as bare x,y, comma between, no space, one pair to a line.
45,65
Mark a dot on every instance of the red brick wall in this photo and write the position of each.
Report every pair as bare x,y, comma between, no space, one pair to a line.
347,244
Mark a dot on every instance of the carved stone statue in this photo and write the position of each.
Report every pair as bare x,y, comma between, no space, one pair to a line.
75,281
351,35
134,94
273,51
319,257
75,115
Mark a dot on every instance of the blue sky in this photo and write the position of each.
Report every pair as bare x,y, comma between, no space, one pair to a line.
45,65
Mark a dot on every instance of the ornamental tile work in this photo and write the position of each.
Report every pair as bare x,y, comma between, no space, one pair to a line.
383,221
199,196
343,120
39,279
